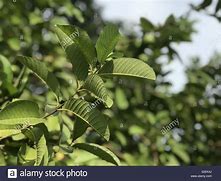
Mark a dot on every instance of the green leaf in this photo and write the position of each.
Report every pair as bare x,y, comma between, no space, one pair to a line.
26,155
42,151
35,133
38,135
39,155
127,67
99,151
69,34
5,67
19,123
79,128
20,109
146,25
4,133
40,69
136,130
78,47
121,99
95,85
17,116
181,152
14,44
6,75
91,115
2,159
35,17
218,6
107,42
204,4
65,133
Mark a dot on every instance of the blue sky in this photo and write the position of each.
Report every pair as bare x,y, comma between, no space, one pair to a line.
205,42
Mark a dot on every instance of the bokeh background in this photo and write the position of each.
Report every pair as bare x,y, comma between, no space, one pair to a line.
180,39
157,12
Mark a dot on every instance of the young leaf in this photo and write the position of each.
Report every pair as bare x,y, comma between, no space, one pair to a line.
17,116
95,85
79,128
107,42
91,115
127,67
99,151
78,47
40,69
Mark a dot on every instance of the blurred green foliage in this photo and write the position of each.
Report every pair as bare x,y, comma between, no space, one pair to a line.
140,110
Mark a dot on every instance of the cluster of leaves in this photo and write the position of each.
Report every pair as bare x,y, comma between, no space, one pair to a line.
90,64
28,29
146,109
140,110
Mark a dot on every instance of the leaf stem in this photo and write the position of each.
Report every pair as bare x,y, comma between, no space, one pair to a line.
54,111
